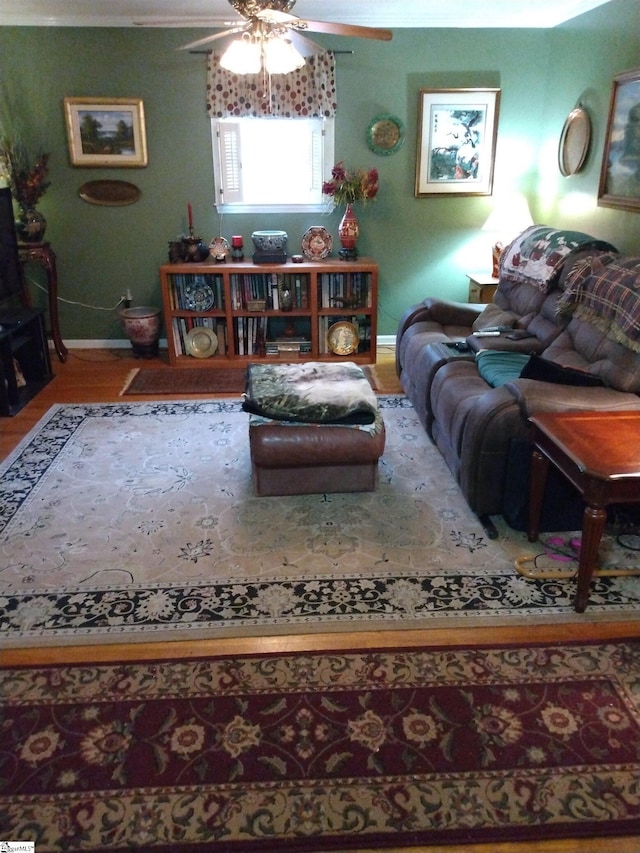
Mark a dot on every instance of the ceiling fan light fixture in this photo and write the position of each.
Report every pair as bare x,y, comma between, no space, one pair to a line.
281,57
243,56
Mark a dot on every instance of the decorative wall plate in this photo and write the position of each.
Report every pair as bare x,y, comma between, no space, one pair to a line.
385,134
201,342
574,142
198,296
342,338
316,243
109,193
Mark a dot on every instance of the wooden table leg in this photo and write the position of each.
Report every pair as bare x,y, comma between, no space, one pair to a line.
43,254
48,260
593,522
539,472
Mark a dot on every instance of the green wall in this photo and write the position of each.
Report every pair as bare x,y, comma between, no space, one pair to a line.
423,246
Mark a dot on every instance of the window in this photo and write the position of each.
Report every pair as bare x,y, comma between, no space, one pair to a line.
271,165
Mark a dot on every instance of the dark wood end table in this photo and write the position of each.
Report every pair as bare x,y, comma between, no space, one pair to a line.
599,452
43,254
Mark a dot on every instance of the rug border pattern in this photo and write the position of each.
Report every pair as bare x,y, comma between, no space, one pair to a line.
443,807
229,608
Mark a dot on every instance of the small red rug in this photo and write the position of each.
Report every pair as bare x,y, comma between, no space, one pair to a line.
323,751
196,380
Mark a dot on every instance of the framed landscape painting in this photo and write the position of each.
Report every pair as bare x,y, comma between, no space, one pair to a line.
456,141
106,131
620,171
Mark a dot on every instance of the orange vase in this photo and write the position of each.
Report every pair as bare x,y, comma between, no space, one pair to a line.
348,231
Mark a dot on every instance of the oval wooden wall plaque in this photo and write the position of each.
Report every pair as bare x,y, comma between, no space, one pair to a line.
110,193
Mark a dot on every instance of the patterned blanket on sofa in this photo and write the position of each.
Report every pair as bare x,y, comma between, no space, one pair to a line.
605,291
536,256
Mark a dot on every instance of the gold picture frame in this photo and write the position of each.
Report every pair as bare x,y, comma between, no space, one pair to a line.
620,171
456,141
106,132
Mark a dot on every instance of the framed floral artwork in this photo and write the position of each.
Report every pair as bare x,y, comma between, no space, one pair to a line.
620,170
106,132
456,141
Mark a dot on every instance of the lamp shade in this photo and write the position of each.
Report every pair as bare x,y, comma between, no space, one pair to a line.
509,217
281,57
243,56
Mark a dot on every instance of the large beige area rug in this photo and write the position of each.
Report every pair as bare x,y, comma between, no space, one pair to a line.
136,521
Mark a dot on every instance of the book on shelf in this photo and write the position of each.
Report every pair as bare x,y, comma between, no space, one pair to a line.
251,333
344,289
266,289
297,285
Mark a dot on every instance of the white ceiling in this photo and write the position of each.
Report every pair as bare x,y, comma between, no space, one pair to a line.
217,13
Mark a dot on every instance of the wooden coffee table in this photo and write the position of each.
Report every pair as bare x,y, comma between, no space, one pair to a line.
599,452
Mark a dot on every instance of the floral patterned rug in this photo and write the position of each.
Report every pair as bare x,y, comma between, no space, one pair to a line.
137,521
323,751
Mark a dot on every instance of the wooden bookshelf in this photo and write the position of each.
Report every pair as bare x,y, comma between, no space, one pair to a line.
243,305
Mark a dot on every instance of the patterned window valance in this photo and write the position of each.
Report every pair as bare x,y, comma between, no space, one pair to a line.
306,93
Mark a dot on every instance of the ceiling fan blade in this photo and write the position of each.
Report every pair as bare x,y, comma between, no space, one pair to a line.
304,45
276,17
184,22
207,39
343,29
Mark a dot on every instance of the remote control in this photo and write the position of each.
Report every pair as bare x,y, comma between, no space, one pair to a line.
485,334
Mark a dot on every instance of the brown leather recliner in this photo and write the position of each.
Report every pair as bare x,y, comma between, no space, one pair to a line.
472,423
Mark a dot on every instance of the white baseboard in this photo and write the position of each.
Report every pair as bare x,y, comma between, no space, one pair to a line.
386,341
123,343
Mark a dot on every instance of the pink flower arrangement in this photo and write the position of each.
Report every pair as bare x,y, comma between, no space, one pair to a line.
347,186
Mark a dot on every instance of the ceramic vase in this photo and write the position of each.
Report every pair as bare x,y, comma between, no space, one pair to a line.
31,225
142,327
348,231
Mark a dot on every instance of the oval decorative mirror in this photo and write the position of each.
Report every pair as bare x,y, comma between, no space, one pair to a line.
574,142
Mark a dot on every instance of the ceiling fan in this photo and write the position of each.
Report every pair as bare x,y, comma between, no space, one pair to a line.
266,18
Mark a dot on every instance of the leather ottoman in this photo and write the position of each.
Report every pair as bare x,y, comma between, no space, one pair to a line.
296,458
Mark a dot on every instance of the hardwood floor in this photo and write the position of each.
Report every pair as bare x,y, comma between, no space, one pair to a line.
97,376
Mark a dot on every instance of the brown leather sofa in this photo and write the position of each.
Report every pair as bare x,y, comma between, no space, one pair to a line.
570,323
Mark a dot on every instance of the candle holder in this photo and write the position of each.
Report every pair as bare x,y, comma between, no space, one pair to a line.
193,249
237,248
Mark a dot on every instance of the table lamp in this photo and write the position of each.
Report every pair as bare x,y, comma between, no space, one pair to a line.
509,217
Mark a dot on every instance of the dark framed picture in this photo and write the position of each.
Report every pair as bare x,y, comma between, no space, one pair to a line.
106,132
456,141
620,172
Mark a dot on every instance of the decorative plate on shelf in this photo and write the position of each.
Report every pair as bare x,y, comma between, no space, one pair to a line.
219,247
201,342
198,296
385,134
316,243
342,338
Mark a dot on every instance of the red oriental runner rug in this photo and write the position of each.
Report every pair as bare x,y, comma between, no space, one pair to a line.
323,751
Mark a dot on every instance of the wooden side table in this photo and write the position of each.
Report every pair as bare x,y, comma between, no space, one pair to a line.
482,286
599,452
43,254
